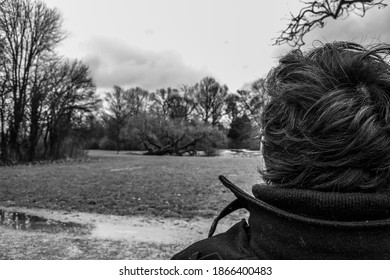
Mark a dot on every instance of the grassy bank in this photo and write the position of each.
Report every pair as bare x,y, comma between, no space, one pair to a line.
128,184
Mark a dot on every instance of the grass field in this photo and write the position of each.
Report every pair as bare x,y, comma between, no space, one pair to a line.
129,184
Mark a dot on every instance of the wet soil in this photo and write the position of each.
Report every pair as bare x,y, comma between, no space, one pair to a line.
32,223
143,237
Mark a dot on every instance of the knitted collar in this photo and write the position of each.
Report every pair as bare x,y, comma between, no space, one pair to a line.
327,209
330,206
307,224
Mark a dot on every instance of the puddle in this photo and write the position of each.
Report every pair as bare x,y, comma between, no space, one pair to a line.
148,233
126,169
21,221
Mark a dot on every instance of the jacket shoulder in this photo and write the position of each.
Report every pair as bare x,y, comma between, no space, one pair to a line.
232,244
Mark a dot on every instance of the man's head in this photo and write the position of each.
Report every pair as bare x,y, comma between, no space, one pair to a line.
327,125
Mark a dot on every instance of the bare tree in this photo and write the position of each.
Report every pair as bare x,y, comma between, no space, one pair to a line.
249,102
210,100
37,107
29,29
136,100
4,114
123,106
315,13
233,105
180,105
72,97
160,101
116,101
187,102
117,112
173,103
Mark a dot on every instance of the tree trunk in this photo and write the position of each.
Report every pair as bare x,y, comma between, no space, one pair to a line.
34,127
173,148
3,140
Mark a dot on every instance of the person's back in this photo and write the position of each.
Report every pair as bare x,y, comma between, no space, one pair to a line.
326,149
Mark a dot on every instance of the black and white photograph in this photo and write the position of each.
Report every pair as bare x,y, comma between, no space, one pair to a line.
195,130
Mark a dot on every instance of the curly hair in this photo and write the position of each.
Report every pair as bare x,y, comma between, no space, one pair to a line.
327,124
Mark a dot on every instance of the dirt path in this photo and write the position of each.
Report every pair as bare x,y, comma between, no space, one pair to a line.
136,237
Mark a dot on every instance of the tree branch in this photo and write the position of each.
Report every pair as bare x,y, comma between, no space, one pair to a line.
315,14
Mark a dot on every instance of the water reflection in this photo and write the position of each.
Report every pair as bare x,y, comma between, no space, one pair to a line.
22,221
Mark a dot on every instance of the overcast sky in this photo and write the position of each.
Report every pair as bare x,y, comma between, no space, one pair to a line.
161,43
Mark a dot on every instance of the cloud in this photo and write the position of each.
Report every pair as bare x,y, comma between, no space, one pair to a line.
149,31
372,28
114,62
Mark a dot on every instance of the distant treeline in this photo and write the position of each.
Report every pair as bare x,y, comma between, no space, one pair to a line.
204,116
49,108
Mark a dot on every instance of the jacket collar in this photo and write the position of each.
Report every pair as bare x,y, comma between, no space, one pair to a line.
339,209
305,224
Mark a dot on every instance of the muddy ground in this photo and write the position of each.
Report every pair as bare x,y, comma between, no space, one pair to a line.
150,227
104,236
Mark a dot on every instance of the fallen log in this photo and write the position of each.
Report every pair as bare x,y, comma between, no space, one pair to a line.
172,148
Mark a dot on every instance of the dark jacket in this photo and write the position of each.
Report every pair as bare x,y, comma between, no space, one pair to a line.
300,224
